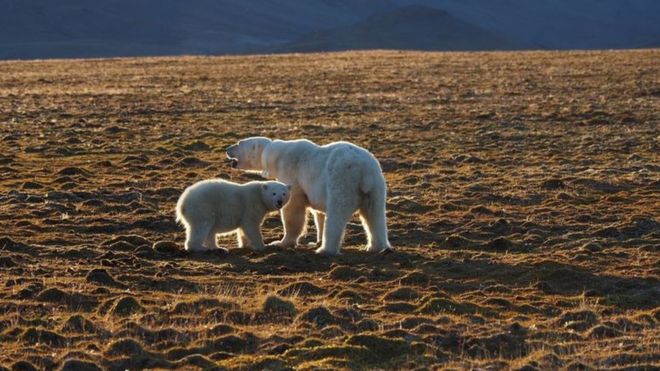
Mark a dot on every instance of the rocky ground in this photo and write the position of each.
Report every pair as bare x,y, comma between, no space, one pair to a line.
523,205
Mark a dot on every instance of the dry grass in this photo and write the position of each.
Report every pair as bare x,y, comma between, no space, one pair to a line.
524,204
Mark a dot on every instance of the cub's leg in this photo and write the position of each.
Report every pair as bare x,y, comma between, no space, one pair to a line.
212,243
196,235
252,237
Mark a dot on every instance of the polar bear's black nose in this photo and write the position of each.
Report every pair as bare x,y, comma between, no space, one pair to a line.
279,203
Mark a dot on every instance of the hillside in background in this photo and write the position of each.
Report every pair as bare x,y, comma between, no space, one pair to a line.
85,28
408,28
561,24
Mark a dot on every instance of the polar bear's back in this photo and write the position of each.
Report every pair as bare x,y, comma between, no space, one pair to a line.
346,160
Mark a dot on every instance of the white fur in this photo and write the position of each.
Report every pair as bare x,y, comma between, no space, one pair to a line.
212,207
334,180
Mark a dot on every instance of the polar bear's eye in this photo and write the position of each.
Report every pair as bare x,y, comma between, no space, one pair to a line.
274,193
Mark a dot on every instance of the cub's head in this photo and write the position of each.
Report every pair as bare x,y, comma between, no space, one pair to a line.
275,194
246,154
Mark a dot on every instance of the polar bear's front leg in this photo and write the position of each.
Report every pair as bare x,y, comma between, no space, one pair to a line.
294,219
319,221
254,238
242,239
211,242
197,235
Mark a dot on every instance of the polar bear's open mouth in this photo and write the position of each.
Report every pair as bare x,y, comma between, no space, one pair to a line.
232,161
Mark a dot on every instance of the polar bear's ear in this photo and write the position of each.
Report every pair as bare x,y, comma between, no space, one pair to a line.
264,186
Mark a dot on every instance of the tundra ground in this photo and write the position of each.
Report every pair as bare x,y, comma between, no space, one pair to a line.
524,197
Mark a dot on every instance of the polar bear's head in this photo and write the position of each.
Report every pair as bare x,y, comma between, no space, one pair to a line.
275,194
246,154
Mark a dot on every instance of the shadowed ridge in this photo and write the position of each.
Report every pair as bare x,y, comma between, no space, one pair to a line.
412,27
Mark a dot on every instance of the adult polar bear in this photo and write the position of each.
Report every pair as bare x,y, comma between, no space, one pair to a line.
334,180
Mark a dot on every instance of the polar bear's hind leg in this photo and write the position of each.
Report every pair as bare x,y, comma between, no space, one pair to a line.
337,216
372,215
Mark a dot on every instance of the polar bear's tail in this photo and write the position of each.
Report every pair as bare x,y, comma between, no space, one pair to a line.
367,183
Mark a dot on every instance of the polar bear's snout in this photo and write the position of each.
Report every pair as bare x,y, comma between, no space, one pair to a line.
231,156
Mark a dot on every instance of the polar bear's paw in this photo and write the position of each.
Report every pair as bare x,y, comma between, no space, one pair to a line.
327,252
282,244
258,249
379,249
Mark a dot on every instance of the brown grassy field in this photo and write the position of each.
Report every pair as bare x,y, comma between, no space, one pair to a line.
524,197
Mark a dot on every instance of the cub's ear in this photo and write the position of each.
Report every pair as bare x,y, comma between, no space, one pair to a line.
288,187
264,186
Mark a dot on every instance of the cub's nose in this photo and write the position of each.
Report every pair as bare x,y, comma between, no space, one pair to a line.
279,203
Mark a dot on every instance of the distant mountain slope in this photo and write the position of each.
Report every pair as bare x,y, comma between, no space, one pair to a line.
412,27
87,28
107,28
561,24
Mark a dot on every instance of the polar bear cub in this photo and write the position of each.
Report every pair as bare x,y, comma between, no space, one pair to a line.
215,206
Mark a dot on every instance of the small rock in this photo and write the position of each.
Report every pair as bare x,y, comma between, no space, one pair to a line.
166,247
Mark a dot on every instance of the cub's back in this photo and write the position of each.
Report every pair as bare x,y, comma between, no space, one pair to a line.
220,193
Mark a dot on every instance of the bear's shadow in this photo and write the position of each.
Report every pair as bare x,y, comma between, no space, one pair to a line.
301,259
